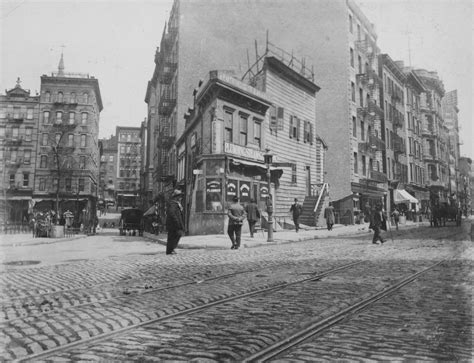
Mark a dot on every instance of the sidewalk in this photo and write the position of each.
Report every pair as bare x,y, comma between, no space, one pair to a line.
222,241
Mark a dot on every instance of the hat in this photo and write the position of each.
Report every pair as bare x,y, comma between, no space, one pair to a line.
176,193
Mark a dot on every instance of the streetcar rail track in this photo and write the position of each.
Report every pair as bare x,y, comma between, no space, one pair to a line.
188,311
297,338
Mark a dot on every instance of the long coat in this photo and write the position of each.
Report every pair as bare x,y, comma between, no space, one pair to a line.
253,214
329,214
174,216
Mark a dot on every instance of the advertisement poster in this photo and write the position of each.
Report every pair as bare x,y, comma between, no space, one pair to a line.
244,188
263,191
213,194
231,190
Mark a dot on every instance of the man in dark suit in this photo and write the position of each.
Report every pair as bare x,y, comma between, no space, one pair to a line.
236,214
253,215
174,222
296,209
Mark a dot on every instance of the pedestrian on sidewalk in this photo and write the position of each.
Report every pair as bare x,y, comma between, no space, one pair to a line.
296,209
378,223
329,215
174,222
236,214
253,215
396,217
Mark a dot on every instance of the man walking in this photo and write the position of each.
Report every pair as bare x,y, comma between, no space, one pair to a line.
236,214
296,209
396,217
378,223
174,222
253,215
329,215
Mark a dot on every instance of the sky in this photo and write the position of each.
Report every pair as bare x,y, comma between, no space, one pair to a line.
115,41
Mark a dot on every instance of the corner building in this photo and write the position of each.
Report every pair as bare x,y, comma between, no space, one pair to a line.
333,35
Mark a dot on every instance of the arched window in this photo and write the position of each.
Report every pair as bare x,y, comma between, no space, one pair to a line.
86,97
84,118
60,97
71,118
47,96
59,117
73,97
46,117
44,161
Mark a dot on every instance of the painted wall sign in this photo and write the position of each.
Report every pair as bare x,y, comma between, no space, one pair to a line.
244,188
231,189
242,151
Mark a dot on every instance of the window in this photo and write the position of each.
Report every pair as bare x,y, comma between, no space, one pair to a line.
364,166
84,118
60,97
352,57
12,180
81,183
2,113
13,156
73,97
82,162
86,97
356,166
29,114
387,136
70,140
44,140
47,96
15,132
27,156
257,132
362,131
59,117
358,32
243,130
46,117
361,97
129,137
353,92
26,180
228,121
83,140
295,127
293,174
359,62
111,158
57,138
351,25
44,162
354,126
122,149
72,117
28,133
388,169
55,183
68,184
42,184
128,149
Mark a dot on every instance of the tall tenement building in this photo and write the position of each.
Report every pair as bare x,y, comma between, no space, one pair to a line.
108,171
332,35
127,191
18,137
67,154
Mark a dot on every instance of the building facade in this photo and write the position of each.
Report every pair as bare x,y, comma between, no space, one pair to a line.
435,136
19,112
108,171
341,66
67,154
128,166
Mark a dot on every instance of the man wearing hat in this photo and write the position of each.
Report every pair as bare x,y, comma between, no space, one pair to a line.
174,222
378,223
236,214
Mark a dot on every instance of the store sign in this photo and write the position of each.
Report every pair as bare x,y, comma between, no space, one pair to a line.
213,194
243,152
231,190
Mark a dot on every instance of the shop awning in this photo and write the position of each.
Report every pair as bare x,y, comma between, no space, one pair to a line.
253,163
402,196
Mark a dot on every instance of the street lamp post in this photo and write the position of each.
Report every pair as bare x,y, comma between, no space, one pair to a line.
268,160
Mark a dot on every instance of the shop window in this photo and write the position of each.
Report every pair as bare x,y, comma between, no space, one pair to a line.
214,194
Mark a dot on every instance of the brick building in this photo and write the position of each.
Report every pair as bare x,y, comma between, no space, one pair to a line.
67,154
108,171
18,136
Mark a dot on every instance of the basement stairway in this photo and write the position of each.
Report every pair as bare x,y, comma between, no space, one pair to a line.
313,207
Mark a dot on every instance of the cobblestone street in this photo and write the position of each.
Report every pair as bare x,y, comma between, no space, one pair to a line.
136,303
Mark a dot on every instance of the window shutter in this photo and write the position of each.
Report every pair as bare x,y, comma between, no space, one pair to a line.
291,127
280,118
305,131
298,121
273,118
311,137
